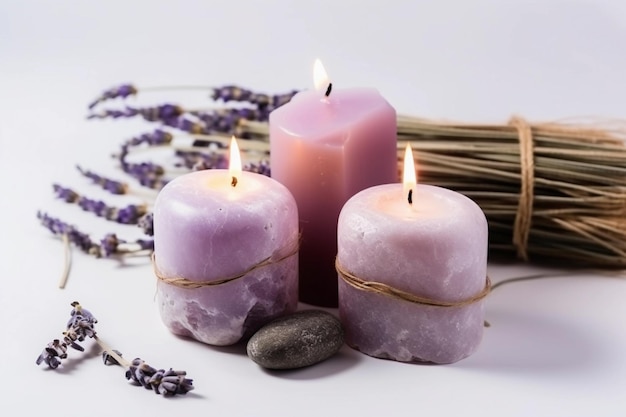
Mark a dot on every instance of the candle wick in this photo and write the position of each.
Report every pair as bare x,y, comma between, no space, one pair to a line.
329,89
233,182
410,196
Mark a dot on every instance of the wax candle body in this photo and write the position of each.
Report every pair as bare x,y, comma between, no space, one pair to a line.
324,150
435,248
206,230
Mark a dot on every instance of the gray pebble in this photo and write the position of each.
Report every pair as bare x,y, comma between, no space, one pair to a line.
300,339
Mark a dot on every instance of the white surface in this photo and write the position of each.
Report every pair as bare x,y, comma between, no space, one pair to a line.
556,347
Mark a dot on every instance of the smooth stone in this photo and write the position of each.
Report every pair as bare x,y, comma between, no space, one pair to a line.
300,339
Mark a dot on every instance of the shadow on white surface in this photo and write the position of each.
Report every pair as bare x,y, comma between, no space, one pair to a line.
73,362
528,343
345,359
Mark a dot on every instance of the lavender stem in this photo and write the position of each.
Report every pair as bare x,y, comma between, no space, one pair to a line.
108,349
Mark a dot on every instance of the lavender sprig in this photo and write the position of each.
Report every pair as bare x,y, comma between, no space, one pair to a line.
109,246
151,114
156,138
121,91
81,326
263,101
124,215
148,174
262,167
163,382
112,186
146,223
198,161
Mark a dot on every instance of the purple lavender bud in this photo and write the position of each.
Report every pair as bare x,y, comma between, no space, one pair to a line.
262,167
65,193
200,160
145,244
186,125
107,247
51,354
262,101
228,120
109,244
113,114
112,186
108,359
231,93
281,99
79,310
146,223
127,215
147,173
151,114
121,91
163,382
59,228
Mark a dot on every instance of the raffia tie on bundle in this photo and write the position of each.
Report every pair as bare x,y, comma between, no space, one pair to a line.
524,215
181,282
388,290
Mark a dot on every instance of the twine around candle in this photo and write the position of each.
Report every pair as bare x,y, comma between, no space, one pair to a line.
182,282
388,290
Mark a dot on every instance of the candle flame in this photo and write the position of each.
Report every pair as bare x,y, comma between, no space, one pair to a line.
409,178
320,77
234,165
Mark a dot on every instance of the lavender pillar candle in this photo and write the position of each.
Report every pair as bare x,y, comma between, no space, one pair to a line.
435,248
209,228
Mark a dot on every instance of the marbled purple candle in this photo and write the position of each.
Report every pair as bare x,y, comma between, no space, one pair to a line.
206,229
434,248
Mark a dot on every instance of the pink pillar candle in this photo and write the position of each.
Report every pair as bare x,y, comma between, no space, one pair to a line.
434,248
325,149
206,229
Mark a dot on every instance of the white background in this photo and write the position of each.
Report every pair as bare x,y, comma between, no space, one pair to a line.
556,347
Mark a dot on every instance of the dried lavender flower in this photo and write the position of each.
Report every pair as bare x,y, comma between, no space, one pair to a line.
262,167
148,174
263,101
168,383
121,91
112,186
151,114
227,120
53,353
146,223
81,326
76,237
109,358
124,215
109,246
155,138
186,125
201,160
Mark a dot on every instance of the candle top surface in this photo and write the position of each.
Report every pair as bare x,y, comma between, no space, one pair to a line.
310,113
428,202
217,185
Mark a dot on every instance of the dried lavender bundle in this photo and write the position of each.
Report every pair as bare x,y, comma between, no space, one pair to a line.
81,326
